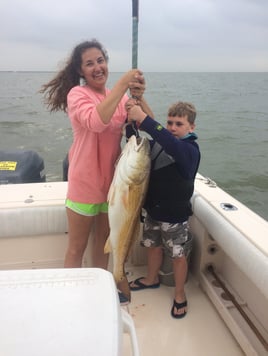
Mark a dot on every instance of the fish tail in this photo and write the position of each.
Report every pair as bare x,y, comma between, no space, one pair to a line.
123,286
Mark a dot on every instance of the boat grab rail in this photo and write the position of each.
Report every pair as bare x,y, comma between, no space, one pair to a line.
234,243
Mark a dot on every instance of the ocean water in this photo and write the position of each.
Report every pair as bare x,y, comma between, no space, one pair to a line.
232,124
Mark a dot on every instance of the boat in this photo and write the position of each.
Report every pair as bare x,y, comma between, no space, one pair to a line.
48,310
227,284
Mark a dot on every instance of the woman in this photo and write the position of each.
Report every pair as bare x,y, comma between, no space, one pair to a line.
97,115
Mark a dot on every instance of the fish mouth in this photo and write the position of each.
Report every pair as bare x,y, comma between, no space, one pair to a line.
140,142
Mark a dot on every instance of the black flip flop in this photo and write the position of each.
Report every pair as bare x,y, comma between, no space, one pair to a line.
141,286
178,306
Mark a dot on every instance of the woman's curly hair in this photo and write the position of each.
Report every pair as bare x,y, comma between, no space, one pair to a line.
57,89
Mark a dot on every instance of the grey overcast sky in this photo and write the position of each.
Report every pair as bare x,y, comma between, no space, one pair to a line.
173,36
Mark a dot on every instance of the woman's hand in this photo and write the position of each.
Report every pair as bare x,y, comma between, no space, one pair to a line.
137,87
132,76
108,105
135,82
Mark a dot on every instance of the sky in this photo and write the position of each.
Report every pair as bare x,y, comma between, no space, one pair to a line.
173,35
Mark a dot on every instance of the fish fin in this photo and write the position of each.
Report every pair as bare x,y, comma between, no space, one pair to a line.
107,246
111,193
123,286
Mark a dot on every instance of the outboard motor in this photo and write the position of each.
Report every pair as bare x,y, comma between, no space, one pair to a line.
21,166
65,168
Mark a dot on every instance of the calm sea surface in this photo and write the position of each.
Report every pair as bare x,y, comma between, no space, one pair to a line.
232,124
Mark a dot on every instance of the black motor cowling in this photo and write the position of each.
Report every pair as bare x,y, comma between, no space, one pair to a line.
65,168
21,166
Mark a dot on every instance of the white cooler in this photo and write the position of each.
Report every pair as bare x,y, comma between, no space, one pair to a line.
62,312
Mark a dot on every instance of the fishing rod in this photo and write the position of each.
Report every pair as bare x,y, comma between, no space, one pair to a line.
135,21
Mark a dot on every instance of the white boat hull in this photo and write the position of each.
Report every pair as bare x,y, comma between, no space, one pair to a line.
33,234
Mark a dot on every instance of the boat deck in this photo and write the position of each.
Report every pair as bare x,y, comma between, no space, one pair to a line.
202,332
226,240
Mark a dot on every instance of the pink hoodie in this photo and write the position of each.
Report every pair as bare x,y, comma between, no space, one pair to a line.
95,148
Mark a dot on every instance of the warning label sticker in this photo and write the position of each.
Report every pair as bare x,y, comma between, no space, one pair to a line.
8,165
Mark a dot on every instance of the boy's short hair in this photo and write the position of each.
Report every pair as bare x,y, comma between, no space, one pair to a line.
181,109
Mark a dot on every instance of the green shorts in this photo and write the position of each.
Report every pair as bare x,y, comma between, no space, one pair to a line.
87,209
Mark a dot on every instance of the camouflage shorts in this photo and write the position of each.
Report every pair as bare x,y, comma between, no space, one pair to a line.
175,238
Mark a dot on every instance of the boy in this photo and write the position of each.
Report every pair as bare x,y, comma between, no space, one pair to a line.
175,160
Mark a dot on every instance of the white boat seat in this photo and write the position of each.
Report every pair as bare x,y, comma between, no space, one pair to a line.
32,209
33,221
64,312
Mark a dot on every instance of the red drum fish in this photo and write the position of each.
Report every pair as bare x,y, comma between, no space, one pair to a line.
126,197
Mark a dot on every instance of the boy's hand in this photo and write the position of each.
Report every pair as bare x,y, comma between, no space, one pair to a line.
130,103
135,113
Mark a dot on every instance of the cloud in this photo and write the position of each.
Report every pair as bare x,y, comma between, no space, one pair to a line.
189,35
